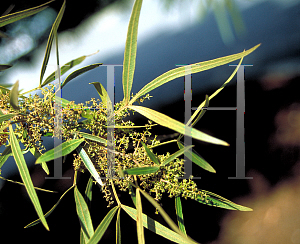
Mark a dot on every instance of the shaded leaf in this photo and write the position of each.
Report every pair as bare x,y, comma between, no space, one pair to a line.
212,199
50,40
179,214
197,159
6,117
156,227
14,95
93,138
78,72
194,68
89,165
61,150
10,18
50,211
37,154
118,227
130,50
173,124
141,170
24,173
103,226
151,155
83,214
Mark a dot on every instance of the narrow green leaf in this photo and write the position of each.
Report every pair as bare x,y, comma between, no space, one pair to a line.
10,18
151,155
103,226
83,214
24,173
88,192
89,165
118,227
197,159
156,227
50,211
50,39
6,117
212,199
194,68
139,218
14,95
37,154
61,150
173,124
179,214
176,155
93,138
203,111
215,93
130,50
78,72
5,155
103,94
141,170
5,66
66,67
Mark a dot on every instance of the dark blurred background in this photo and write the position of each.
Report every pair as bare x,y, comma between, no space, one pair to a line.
272,119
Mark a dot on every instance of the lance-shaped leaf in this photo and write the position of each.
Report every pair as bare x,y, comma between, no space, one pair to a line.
83,215
194,68
151,155
6,117
61,150
157,228
103,94
103,226
14,95
93,138
176,155
50,40
10,18
212,199
4,66
3,89
197,159
205,103
24,173
64,69
130,50
37,154
78,72
50,211
5,155
179,214
141,170
89,165
173,124
139,218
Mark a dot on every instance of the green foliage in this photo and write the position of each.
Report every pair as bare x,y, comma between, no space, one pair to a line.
139,171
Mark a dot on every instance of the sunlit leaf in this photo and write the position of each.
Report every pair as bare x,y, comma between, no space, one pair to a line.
83,214
14,95
103,226
50,211
141,170
139,218
89,165
93,138
6,117
50,40
10,18
150,154
4,66
176,155
78,72
103,94
130,50
157,228
193,68
37,154
3,88
61,150
179,214
197,159
173,124
24,173
212,199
